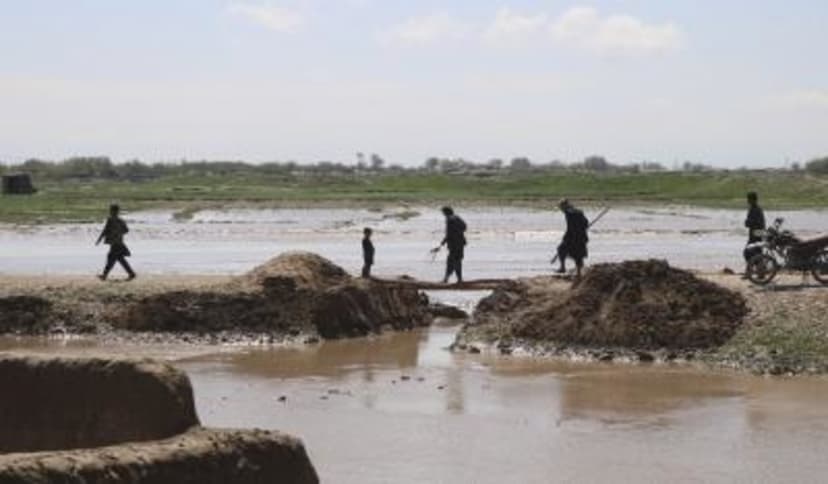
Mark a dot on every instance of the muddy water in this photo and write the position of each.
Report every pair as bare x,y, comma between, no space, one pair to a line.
401,408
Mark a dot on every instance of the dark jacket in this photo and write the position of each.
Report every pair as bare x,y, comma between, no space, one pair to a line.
455,237
576,227
367,251
113,235
755,221
114,231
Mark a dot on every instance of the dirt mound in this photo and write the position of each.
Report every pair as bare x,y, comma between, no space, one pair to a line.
635,304
23,313
295,293
304,270
67,403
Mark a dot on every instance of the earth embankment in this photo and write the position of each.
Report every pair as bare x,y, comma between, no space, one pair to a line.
293,294
69,403
79,420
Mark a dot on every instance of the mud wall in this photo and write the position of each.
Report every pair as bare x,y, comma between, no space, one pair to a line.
196,457
67,403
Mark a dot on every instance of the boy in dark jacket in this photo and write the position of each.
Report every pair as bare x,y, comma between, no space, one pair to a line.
113,236
367,252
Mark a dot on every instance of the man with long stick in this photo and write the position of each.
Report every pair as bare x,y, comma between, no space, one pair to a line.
574,243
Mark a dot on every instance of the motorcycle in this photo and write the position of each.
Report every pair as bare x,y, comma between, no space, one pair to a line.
782,250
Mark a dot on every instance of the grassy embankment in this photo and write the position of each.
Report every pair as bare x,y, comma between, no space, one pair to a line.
74,200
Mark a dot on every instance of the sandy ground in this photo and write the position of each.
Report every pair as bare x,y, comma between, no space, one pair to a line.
143,285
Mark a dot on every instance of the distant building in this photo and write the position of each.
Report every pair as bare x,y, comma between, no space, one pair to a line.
18,184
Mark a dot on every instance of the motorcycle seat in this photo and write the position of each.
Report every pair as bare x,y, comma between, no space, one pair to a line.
811,245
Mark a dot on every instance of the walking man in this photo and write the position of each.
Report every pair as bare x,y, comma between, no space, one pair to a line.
755,223
113,235
367,253
455,240
574,243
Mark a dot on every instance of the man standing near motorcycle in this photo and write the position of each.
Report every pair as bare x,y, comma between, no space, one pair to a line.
754,222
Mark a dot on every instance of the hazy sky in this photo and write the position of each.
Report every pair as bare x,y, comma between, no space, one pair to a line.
725,82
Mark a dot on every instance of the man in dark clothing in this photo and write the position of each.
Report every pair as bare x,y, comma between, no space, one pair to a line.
755,223
574,243
367,253
455,240
113,235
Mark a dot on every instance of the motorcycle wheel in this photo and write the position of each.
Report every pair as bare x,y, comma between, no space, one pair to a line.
819,269
761,269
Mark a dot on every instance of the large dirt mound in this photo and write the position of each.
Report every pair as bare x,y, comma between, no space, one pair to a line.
304,270
634,304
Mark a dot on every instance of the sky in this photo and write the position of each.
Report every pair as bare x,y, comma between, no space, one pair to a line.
730,83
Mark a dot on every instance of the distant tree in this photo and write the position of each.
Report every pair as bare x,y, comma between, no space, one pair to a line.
596,163
520,163
651,166
695,167
448,165
35,166
818,165
377,162
795,166
495,163
432,163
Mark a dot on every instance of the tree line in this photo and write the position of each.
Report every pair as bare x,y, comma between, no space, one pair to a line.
102,168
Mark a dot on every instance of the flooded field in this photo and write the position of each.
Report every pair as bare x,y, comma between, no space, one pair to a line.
401,408
503,242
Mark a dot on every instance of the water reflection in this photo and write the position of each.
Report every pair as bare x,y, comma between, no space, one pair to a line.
333,359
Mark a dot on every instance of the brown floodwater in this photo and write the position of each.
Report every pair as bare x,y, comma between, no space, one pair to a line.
401,408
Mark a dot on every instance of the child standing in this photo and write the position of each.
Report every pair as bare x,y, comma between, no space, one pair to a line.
367,253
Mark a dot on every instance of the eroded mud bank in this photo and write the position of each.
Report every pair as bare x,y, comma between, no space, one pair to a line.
77,420
295,294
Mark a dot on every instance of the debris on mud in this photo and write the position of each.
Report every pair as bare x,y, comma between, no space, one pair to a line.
440,310
639,305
